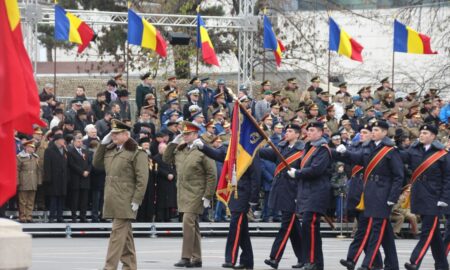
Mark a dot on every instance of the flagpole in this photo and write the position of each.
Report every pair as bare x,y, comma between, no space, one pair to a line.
54,72
329,69
393,68
196,68
264,65
127,64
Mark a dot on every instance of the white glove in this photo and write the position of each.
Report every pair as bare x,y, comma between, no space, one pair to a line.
291,172
198,143
442,204
178,139
390,203
134,206
341,149
206,203
253,204
107,139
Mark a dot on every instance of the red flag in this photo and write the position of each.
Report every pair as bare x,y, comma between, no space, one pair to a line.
19,101
229,165
86,35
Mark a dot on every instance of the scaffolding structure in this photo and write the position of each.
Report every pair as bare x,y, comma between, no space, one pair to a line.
245,24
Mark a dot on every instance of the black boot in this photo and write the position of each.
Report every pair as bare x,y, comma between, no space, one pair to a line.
349,264
183,263
271,263
298,265
411,266
227,265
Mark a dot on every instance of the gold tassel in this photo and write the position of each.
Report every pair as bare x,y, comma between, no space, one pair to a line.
407,203
360,205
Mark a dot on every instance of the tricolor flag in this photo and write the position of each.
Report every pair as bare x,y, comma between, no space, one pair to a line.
144,34
342,43
204,43
244,142
271,41
407,40
19,100
70,27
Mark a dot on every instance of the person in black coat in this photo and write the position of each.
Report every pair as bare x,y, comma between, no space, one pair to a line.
248,190
313,194
56,176
383,178
193,99
430,194
79,169
355,188
97,179
166,187
147,210
283,194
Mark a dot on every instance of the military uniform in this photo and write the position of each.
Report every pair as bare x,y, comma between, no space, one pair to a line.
196,179
430,184
247,193
382,189
313,197
126,170
282,198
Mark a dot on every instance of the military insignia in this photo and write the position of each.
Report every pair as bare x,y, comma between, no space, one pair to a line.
254,137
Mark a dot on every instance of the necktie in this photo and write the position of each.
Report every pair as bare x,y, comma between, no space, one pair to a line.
79,151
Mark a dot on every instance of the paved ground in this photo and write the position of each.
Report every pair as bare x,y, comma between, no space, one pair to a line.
161,253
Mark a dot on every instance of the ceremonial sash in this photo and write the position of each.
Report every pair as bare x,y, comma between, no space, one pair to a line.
356,169
307,156
376,160
289,161
426,164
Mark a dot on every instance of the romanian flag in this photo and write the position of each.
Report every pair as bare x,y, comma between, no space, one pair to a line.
271,41
342,43
19,100
245,141
144,34
204,42
70,27
407,40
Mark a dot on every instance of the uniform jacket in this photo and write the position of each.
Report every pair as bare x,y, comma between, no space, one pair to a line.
284,188
196,176
433,185
126,178
77,165
249,184
385,182
56,171
314,188
141,91
28,171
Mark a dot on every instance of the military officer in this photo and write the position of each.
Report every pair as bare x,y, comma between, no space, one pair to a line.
382,186
283,193
143,90
196,178
312,89
343,92
247,195
126,168
293,93
359,243
430,193
313,193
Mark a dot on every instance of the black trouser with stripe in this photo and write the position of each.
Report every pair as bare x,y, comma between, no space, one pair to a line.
381,235
290,229
430,236
238,236
311,238
447,235
360,240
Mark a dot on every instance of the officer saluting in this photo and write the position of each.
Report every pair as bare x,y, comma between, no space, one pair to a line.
359,243
283,194
247,194
126,168
430,193
383,177
313,193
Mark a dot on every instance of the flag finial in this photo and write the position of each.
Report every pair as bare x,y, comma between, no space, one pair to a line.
129,4
198,9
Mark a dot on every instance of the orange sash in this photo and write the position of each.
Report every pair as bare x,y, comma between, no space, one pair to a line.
307,156
289,161
426,164
376,160
356,169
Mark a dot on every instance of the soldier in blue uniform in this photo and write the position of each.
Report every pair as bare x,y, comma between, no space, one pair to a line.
359,243
383,177
283,193
313,193
247,195
430,194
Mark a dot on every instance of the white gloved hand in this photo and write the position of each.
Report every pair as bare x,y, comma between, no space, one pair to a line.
178,139
442,204
134,206
198,143
341,149
291,172
206,203
390,203
107,139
